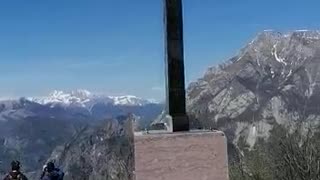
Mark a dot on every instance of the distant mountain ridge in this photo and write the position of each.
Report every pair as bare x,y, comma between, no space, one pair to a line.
84,97
31,128
79,104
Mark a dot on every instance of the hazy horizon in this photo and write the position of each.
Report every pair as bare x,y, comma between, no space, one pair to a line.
95,93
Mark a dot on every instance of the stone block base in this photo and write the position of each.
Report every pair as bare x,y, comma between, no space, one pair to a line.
195,155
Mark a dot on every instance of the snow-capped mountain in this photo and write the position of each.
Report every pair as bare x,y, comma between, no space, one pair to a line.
74,97
33,127
130,100
78,105
85,98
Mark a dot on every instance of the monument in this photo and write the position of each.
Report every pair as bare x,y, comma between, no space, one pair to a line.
178,154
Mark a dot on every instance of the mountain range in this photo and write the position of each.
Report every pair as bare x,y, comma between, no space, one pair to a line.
32,128
78,105
85,98
274,80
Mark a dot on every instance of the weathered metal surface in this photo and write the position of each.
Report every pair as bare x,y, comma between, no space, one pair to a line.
175,78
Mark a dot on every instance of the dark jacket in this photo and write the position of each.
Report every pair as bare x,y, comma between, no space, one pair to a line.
15,175
57,174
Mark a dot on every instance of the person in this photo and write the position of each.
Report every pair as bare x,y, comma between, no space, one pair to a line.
50,172
15,173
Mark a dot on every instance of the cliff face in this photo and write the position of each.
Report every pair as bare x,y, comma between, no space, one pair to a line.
103,152
273,80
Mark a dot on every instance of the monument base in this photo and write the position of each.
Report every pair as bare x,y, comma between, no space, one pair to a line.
194,155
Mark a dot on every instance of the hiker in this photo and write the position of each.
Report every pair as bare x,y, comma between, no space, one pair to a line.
15,173
50,172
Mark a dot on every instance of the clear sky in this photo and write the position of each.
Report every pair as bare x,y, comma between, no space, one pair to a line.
116,46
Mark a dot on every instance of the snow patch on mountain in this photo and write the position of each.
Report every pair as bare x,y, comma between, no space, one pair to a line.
129,100
277,57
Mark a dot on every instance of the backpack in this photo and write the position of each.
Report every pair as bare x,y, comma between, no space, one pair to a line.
59,173
15,175
18,177
55,175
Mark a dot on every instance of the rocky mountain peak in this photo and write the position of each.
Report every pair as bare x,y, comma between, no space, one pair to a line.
273,80
81,93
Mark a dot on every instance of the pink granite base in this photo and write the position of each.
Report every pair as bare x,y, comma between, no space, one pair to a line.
181,156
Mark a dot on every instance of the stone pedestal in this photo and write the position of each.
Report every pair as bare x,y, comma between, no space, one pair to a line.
197,155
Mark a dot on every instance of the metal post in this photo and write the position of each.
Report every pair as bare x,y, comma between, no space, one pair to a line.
175,78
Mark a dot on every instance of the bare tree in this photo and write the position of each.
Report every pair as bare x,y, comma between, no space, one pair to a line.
297,155
289,154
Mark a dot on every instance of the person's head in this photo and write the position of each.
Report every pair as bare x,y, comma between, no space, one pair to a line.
50,166
15,165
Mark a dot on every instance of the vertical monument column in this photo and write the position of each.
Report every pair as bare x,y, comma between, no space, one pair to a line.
181,154
174,62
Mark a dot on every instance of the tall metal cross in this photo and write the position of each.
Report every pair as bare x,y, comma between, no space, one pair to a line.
175,77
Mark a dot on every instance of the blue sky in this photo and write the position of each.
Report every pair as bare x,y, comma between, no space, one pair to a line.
116,46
